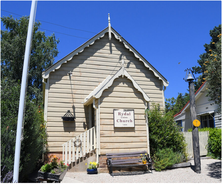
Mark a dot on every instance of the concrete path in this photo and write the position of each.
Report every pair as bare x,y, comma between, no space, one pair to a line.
210,173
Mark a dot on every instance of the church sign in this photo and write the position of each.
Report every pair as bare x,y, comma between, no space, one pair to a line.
123,118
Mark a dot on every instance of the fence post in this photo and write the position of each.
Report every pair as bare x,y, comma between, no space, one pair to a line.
80,148
63,150
74,155
66,153
69,151
87,141
91,139
84,143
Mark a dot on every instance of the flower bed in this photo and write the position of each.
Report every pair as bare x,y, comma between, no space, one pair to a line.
54,170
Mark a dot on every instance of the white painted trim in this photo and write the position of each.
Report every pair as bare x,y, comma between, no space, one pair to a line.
90,42
97,132
46,100
163,90
147,130
97,92
99,125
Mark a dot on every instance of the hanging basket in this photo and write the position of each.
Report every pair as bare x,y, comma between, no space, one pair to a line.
68,116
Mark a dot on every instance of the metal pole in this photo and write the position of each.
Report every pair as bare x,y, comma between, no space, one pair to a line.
195,135
23,91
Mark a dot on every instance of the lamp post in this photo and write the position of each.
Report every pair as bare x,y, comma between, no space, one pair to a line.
196,148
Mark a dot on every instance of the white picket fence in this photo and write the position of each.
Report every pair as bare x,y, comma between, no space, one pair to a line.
79,146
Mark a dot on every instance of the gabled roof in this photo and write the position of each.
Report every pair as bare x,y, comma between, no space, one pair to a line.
197,94
100,35
106,83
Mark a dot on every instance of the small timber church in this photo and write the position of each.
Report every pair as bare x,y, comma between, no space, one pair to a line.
95,99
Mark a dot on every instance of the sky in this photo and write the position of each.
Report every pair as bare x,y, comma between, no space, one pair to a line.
169,34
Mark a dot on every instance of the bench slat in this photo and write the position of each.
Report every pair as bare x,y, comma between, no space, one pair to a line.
129,153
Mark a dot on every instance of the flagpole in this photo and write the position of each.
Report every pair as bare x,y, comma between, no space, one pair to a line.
23,91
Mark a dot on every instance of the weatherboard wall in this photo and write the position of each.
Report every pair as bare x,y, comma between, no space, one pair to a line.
90,68
113,139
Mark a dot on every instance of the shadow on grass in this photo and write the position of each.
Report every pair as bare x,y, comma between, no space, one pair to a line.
214,170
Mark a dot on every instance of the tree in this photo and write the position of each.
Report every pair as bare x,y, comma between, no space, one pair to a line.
213,73
44,49
210,66
175,105
34,135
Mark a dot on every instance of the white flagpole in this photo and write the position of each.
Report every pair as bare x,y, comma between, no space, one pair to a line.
23,91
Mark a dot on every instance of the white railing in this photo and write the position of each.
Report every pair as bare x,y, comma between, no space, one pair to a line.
79,146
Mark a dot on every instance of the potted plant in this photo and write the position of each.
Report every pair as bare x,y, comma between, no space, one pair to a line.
54,170
144,158
92,168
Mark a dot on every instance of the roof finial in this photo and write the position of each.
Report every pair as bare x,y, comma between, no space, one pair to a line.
109,25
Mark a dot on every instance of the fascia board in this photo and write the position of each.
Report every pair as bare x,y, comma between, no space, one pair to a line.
70,56
140,57
91,95
80,49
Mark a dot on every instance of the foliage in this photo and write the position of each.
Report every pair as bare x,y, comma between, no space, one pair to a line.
32,144
46,168
164,133
214,141
8,177
210,67
143,157
43,51
167,157
92,165
54,166
175,105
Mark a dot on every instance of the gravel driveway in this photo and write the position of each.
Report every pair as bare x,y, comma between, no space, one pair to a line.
210,173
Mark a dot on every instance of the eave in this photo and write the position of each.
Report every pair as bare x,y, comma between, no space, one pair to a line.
90,42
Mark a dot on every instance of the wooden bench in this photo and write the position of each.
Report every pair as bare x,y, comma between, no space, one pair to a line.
127,160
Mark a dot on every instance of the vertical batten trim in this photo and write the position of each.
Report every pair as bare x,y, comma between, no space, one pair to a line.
97,132
99,124
46,100
163,92
147,129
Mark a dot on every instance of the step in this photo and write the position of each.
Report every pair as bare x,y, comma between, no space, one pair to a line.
80,165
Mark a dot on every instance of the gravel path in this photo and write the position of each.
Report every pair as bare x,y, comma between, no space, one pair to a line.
210,173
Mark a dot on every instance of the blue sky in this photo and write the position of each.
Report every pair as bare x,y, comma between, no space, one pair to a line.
169,34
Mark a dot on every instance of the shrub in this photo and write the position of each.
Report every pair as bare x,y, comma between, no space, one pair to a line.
33,132
214,141
167,157
164,134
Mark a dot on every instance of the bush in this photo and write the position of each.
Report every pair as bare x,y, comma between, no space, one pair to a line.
214,141
164,134
33,132
167,157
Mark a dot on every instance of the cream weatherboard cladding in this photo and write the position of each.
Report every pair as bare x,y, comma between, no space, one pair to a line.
89,68
122,139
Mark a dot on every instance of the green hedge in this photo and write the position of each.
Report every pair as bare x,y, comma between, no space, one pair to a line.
214,141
